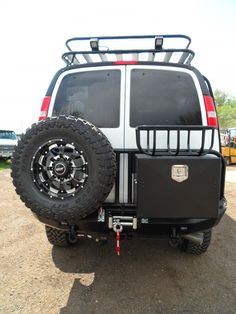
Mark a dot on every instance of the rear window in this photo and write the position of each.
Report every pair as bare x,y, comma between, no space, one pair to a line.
93,96
163,97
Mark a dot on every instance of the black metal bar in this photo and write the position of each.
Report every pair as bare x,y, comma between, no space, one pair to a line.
178,143
148,140
131,51
99,38
104,41
168,141
203,142
129,178
177,151
117,183
212,139
154,143
138,140
174,127
188,141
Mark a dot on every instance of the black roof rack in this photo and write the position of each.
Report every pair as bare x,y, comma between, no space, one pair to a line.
157,48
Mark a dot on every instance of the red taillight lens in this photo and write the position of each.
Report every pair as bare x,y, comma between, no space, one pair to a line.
210,111
45,108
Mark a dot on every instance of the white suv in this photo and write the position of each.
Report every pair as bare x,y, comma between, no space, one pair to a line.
8,141
128,141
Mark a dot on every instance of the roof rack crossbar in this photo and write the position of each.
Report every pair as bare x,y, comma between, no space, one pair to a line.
103,57
71,59
183,57
119,57
87,58
168,56
135,56
151,57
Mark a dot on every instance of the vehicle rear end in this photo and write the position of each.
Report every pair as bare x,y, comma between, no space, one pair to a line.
158,113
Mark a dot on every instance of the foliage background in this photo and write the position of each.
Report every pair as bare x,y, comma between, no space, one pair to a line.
226,109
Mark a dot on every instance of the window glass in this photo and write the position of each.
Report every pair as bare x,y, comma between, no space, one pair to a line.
93,96
163,97
7,135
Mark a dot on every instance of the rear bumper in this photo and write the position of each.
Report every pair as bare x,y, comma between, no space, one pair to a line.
6,154
149,227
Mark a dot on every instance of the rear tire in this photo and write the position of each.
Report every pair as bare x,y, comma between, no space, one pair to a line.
196,249
59,237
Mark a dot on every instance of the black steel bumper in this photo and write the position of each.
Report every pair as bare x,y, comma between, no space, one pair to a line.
150,227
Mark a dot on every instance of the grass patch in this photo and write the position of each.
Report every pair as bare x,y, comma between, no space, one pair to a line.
5,164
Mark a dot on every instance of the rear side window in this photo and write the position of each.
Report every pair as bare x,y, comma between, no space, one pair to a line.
163,97
93,96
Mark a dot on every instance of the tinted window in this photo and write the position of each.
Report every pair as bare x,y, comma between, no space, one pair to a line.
163,97
94,96
7,135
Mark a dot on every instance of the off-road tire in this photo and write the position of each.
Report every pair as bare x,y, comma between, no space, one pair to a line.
59,237
196,249
101,168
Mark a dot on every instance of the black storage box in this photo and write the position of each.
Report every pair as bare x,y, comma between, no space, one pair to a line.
178,186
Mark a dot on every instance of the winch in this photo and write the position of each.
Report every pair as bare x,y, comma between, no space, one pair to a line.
117,223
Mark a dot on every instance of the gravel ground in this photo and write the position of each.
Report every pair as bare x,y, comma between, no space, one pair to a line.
149,276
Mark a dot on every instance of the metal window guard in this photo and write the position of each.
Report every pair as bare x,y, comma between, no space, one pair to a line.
103,53
149,134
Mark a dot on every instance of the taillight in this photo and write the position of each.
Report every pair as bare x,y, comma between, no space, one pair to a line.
210,111
125,62
44,108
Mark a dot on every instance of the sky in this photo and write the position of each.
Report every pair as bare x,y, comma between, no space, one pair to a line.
33,34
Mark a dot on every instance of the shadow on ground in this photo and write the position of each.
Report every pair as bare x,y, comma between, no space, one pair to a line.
151,277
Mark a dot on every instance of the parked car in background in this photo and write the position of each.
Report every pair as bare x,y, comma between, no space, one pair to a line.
229,146
8,141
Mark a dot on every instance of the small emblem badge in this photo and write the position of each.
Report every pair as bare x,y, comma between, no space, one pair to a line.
179,173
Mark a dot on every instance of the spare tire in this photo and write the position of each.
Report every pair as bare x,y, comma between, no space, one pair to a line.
63,168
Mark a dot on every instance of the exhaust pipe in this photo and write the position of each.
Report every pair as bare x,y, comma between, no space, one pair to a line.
196,237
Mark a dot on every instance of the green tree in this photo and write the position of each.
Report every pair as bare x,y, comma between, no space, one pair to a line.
221,98
226,109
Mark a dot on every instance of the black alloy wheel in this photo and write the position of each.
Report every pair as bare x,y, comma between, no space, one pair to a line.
59,169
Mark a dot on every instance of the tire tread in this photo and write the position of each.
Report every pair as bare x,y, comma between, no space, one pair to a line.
91,199
196,249
57,237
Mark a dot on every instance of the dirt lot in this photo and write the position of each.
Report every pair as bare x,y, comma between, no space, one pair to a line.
149,276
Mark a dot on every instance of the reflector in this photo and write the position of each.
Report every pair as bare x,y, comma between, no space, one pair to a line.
210,111
44,108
